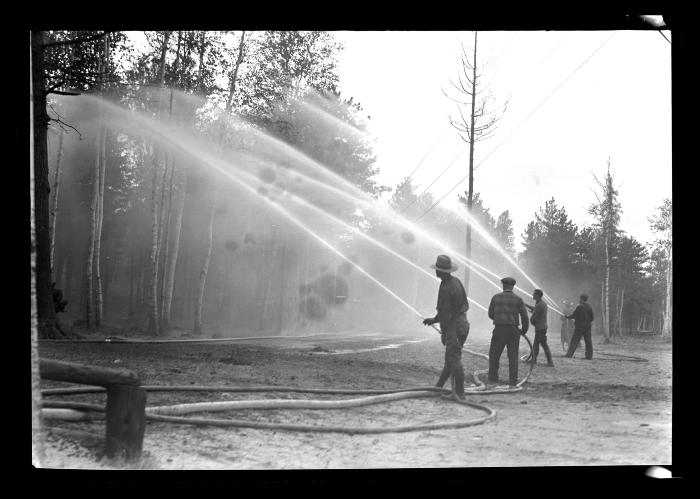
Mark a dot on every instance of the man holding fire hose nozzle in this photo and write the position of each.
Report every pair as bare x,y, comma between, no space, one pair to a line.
539,320
452,306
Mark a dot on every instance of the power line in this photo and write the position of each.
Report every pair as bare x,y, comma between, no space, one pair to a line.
518,127
421,161
498,57
455,159
434,180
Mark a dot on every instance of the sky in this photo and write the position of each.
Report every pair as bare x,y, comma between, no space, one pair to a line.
576,99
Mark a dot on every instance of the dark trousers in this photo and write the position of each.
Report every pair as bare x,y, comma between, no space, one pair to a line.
576,339
455,335
541,339
504,337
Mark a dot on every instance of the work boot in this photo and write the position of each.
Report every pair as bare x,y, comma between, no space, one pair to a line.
550,364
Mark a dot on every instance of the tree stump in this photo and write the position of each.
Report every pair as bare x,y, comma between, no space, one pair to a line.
126,421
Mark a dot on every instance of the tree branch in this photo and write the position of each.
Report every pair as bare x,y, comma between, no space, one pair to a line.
60,92
76,40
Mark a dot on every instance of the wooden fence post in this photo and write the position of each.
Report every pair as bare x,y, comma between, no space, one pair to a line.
126,421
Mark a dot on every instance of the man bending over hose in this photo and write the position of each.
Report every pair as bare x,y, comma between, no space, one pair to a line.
452,306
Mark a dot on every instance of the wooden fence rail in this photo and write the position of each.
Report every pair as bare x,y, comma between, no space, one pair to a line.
126,402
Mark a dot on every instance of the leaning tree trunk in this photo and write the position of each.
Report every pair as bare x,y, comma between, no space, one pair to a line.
98,236
205,269
99,299
89,263
54,207
38,451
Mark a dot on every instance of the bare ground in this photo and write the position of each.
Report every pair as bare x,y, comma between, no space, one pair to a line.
607,411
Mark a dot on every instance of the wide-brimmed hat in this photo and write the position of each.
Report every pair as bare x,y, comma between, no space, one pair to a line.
444,264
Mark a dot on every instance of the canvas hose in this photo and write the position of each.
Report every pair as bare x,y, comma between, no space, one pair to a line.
174,414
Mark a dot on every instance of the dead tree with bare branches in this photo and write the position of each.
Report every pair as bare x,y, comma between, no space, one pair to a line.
477,121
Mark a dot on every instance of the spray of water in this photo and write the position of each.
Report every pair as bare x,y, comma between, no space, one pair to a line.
461,213
464,215
223,169
363,235
355,195
343,187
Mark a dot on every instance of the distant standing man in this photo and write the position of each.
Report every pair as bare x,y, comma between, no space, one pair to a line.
452,306
538,319
583,317
567,326
504,310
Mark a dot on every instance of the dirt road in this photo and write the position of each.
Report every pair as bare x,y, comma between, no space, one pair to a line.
607,411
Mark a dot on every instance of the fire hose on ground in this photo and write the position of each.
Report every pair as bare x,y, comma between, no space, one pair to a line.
174,414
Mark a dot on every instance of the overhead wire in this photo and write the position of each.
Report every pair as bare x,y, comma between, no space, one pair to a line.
410,176
495,65
518,126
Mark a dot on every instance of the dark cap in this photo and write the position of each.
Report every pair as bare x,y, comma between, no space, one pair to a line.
538,292
584,297
508,281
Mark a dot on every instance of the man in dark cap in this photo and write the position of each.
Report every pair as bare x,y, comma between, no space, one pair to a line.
504,310
539,321
452,306
583,317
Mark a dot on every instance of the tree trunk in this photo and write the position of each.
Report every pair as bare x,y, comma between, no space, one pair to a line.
283,282
54,209
161,238
606,294
173,254
622,305
100,207
234,76
98,235
165,245
131,284
38,451
46,314
263,286
667,329
205,268
470,193
153,325
89,276
153,310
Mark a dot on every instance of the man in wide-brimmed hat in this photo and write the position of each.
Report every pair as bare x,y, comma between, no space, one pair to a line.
505,309
452,306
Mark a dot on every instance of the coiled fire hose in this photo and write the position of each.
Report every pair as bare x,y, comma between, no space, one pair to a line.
173,413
